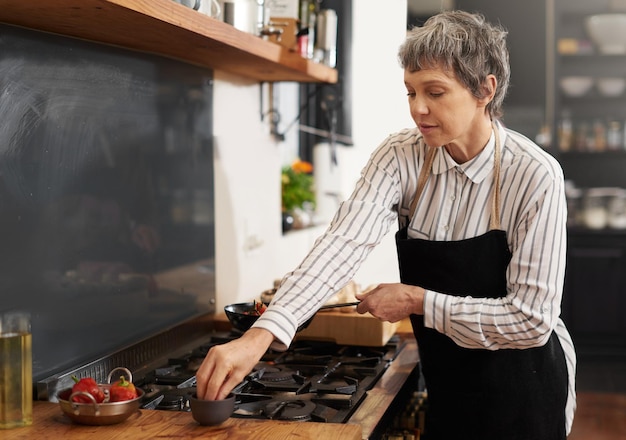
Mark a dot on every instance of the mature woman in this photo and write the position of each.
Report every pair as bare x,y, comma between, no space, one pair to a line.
481,249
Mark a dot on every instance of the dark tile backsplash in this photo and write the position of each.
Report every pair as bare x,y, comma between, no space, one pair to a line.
106,178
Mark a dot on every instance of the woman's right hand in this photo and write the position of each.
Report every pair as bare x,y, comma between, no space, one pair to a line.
226,365
392,301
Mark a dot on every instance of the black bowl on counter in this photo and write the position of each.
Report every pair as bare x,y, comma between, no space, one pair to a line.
211,412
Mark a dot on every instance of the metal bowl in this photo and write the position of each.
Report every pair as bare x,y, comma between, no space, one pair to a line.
93,413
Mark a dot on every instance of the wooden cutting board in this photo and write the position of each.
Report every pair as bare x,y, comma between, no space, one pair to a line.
349,328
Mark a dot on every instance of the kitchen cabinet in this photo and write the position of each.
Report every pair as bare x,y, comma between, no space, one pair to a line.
588,121
590,170
594,297
524,107
591,156
595,291
169,29
589,129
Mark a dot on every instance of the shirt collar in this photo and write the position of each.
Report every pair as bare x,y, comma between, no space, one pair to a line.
476,169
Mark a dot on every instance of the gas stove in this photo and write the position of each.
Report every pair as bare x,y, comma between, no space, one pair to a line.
316,381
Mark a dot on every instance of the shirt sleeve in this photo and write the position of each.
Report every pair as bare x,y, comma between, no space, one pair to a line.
358,226
530,311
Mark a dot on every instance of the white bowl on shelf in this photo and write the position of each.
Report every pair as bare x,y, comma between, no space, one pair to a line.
608,32
611,86
576,86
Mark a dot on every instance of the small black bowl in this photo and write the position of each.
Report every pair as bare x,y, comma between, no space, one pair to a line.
241,315
212,412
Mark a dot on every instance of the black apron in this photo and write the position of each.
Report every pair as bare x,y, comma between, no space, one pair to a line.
507,394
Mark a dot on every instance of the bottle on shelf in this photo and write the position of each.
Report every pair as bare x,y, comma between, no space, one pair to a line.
614,136
581,138
544,137
326,44
566,132
599,136
617,210
595,213
308,19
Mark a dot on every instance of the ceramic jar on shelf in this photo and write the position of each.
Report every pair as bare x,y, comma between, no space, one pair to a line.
604,207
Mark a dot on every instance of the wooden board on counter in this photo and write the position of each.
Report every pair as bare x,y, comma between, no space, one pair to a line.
50,423
349,328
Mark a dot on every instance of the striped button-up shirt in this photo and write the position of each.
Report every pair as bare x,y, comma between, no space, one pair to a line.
454,205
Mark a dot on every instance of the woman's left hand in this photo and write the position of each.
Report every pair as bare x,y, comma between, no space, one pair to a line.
392,302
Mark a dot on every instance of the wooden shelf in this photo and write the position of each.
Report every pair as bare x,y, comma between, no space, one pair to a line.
169,29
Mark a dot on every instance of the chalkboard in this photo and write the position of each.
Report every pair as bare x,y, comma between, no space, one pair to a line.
106,178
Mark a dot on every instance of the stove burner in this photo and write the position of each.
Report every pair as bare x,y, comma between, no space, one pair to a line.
285,381
249,405
337,401
278,376
166,397
341,385
266,367
273,373
292,410
172,402
194,364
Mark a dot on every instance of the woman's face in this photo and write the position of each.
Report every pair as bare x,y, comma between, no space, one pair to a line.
444,110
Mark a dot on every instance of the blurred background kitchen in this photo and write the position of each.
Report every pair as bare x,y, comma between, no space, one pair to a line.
146,192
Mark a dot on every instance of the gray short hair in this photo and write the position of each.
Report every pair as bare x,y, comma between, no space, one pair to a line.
466,43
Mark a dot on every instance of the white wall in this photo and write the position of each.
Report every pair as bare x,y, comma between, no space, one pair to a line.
247,185
250,248
380,108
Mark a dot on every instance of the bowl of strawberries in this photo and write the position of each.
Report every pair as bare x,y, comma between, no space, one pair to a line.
90,403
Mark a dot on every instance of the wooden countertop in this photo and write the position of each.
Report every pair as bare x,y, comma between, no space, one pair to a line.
50,423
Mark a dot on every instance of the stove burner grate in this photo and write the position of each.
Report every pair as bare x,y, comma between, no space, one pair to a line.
292,410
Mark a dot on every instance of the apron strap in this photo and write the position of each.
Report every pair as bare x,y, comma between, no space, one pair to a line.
494,221
422,179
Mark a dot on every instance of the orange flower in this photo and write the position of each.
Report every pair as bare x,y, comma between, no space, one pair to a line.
301,166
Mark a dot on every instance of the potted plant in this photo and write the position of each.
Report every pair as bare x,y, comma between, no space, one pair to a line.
298,194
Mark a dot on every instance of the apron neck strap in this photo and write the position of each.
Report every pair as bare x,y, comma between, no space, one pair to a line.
494,221
422,179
